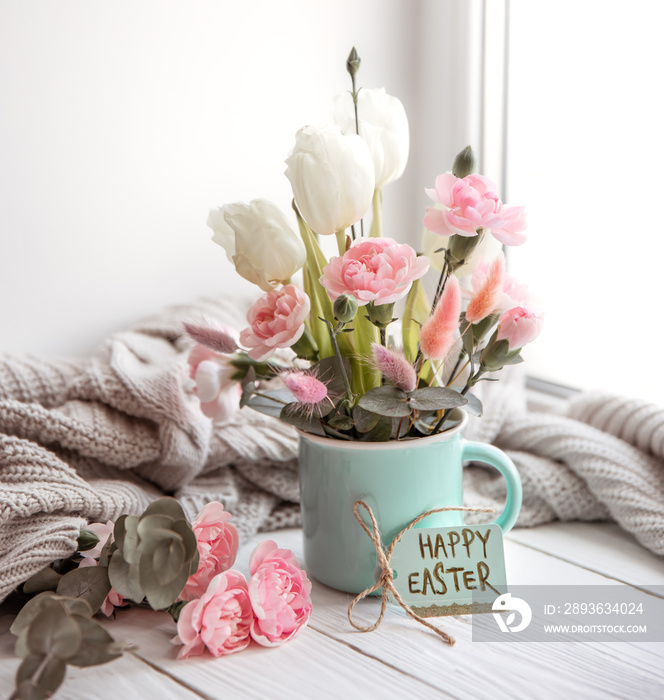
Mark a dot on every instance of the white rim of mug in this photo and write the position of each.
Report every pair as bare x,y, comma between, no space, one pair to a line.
391,444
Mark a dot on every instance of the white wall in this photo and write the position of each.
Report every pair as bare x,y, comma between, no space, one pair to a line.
122,123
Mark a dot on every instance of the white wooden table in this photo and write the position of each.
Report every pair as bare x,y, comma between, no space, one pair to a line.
401,659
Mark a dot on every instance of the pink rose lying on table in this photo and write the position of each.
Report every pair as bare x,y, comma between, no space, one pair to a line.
276,320
374,269
217,542
219,621
279,591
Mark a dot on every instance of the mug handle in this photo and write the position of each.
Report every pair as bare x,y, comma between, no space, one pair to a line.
481,452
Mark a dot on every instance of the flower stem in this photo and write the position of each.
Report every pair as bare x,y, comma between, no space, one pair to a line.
341,241
271,398
333,336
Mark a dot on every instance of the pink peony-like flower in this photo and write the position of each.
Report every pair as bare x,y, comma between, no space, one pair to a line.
520,326
276,320
113,598
438,333
220,620
394,366
212,371
279,592
217,548
374,269
471,203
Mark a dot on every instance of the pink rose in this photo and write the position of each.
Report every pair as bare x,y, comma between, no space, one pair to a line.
212,371
276,320
220,620
113,598
217,547
374,269
520,326
471,203
279,592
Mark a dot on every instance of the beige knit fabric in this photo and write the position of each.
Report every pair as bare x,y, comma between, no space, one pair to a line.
88,439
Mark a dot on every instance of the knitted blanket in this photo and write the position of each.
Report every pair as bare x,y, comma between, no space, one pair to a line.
89,439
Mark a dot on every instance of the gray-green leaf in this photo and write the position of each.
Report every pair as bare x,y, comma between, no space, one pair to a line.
90,583
436,398
386,401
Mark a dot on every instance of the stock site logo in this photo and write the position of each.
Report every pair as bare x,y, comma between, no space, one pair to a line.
506,603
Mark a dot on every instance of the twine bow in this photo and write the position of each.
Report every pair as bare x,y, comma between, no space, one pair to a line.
386,579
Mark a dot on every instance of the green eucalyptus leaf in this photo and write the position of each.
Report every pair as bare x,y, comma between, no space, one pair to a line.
381,432
29,611
474,405
342,422
364,420
293,415
436,398
386,401
124,578
53,631
160,596
39,676
327,370
89,583
269,407
165,506
97,647
44,580
189,541
128,545
247,392
167,560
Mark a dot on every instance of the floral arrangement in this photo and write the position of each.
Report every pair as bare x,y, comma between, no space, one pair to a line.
350,373
161,561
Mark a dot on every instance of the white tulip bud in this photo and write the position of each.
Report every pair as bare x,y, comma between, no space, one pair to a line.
383,124
259,241
332,177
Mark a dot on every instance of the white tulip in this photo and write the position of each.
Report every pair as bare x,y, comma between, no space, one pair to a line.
383,125
332,177
259,241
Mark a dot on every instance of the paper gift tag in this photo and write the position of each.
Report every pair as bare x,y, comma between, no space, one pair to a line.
450,570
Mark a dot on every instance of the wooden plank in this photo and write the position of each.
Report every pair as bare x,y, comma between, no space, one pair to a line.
128,677
602,547
471,670
312,665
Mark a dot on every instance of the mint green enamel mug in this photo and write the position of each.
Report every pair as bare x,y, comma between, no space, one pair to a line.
399,480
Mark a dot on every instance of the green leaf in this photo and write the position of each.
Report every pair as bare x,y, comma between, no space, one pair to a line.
124,577
158,595
29,611
387,401
436,398
167,507
39,677
327,370
380,433
247,392
44,580
89,583
365,421
474,405
167,560
190,543
269,407
415,314
97,647
342,422
53,631
293,415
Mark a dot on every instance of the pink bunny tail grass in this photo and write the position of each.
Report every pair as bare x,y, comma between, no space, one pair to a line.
395,367
438,333
487,298
211,337
310,392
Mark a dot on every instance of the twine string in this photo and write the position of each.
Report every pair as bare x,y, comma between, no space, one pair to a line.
386,579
